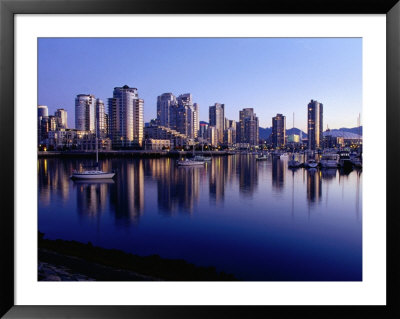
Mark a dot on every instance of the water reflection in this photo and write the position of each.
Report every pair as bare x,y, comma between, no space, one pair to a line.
278,173
92,197
127,196
179,189
314,186
247,169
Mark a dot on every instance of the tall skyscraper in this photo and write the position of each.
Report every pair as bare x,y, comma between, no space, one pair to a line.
125,111
183,118
196,120
217,119
230,132
166,103
248,127
85,106
203,130
279,130
42,125
43,111
314,125
101,125
61,116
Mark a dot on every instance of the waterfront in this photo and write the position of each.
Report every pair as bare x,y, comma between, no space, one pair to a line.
256,220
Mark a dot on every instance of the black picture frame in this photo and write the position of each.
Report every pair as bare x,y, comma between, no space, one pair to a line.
8,8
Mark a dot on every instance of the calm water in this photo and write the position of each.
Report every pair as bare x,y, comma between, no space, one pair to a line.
257,220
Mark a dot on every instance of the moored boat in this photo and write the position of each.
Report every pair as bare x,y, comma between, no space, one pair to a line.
189,162
201,158
329,160
262,157
344,160
311,163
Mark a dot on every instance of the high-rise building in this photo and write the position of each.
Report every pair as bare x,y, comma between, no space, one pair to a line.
61,116
42,126
248,127
315,125
166,103
212,135
217,119
101,120
85,106
43,111
183,117
203,130
230,132
279,130
125,112
196,120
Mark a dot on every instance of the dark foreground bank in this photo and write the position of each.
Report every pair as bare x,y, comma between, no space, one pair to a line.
70,260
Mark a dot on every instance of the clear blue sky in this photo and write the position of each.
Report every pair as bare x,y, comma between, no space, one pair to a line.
272,75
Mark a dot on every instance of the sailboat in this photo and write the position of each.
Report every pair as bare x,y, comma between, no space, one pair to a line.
94,173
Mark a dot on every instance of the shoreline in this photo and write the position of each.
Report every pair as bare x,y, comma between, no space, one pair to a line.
129,153
67,260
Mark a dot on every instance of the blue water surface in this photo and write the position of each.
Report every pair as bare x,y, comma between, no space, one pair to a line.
257,220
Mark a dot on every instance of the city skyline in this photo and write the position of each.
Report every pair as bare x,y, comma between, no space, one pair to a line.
239,73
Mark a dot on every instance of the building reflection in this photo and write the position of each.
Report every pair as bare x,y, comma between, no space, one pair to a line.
53,180
278,173
92,197
217,180
314,185
127,195
177,187
247,170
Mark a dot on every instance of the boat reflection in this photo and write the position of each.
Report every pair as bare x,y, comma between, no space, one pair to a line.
179,190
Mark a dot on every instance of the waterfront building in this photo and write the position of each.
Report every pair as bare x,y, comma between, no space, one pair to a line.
230,132
101,119
203,130
157,144
166,103
44,129
159,132
184,115
212,136
61,116
53,121
314,125
85,106
248,127
196,120
279,131
125,112
217,119
293,138
43,112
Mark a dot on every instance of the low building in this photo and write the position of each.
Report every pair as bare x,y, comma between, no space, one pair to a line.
158,132
157,145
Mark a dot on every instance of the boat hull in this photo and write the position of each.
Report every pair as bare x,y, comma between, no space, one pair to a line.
92,176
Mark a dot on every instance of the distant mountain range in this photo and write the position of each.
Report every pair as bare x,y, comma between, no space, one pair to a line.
345,132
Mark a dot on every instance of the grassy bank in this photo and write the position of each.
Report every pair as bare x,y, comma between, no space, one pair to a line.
116,265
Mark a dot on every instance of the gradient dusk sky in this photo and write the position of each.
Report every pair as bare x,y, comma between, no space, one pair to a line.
271,75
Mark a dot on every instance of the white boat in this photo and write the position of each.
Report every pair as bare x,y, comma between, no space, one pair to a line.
329,160
188,162
311,163
262,158
93,173
201,158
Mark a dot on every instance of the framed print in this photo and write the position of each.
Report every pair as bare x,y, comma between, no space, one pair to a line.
192,160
